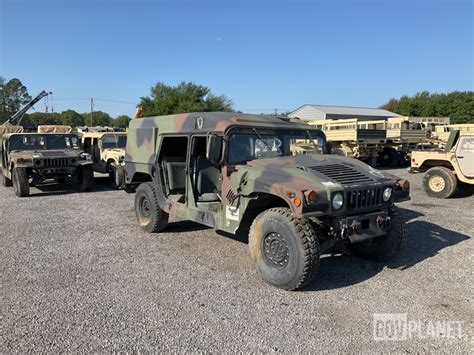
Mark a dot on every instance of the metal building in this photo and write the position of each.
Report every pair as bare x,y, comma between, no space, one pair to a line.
323,112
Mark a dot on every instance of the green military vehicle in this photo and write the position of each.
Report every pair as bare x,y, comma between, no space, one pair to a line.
108,152
238,173
447,168
41,157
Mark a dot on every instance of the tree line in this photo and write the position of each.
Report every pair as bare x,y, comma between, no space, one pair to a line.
458,105
190,97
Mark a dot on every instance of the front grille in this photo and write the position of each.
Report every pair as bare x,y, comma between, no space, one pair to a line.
55,162
364,198
342,173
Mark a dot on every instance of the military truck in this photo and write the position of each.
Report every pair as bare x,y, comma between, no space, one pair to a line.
448,168
237,173
403,136
108,152
41,157
354,138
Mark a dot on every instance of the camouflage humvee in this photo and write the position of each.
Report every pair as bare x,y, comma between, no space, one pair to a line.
40,157
108,152
446,169
239,174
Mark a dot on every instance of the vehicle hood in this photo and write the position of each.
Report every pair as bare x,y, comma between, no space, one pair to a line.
323,173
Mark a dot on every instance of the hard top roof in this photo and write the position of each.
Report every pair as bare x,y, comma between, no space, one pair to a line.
94,134
212,122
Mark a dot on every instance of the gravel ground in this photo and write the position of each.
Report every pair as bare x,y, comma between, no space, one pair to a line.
77,274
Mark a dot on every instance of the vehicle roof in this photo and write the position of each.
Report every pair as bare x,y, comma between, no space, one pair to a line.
101,134
212,121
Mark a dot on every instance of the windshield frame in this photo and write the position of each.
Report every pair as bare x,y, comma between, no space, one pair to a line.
265,131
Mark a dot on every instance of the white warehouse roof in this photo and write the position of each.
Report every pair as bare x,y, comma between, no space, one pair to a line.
316,112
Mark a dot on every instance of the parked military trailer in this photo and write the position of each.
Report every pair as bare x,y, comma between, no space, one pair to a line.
354,138
108,152
448,168
43,156
238,173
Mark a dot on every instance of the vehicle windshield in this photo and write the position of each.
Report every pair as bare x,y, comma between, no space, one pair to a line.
262,144
43,142
114,141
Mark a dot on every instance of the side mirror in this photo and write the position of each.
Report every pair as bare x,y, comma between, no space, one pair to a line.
214,148
328,148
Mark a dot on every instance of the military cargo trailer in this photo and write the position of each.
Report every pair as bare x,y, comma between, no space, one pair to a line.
354,138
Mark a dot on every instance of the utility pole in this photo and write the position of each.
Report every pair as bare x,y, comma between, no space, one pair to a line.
276,112
92,109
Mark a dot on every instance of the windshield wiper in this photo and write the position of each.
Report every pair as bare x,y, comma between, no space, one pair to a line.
261,138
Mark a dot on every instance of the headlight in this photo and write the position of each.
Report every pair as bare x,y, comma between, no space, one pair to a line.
387,193
337,201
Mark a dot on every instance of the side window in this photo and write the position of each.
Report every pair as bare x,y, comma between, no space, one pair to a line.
467,145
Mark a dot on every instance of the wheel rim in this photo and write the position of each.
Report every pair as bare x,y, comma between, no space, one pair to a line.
144,208
436,183
275,250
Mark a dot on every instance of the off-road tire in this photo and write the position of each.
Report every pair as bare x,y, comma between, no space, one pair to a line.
389,157
6,181
20,181
85,177
116,177
440,182
386,247
292,242
150,216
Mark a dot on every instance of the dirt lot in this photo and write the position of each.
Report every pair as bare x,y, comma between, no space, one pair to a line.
77,274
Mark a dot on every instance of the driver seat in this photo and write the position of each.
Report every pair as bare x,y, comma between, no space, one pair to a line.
207,177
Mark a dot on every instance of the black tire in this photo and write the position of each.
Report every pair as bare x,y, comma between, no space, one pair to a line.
85,177
150,216
20,181
389,157
6,181
386,247
116,177
284,249
440,182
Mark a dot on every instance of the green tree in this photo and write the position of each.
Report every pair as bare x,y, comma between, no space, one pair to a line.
99,118
121,121
185,97
44,118
13,95
458,105
71,118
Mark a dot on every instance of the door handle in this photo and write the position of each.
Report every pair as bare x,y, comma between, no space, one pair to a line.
460,157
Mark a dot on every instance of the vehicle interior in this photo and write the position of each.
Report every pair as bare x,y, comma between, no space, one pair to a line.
205,176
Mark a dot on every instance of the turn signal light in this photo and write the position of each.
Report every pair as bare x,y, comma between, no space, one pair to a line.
297,202
311,197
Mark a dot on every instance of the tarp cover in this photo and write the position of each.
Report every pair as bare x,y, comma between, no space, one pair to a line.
54,129
10,129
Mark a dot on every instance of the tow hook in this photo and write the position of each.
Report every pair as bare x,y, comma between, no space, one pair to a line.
383,222
355,226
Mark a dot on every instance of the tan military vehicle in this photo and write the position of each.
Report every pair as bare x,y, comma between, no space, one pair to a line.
354,138
108,151
448,168
442,132
54,129
403,136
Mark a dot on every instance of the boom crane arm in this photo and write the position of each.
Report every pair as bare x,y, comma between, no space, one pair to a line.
16,118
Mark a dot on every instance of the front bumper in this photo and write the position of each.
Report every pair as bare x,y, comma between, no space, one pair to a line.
362,227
